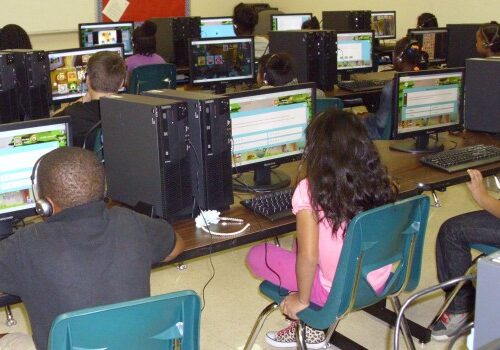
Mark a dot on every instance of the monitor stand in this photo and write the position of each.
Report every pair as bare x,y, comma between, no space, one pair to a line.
420,145
6,228
260,180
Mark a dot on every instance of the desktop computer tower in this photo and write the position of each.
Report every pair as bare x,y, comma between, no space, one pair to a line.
33,76
210,146
347,20
482,88
314,53
146,153
172,36
461,43
9,111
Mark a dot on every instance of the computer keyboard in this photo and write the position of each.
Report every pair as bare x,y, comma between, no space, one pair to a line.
463,158
361,85
273,205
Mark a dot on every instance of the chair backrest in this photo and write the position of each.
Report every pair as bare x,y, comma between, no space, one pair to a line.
152,76
324,103
153,323
486,249
390,234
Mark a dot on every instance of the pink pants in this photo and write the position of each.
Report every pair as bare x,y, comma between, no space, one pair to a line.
277,265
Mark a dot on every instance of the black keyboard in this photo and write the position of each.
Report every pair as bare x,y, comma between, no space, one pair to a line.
362,85
463,158
273,205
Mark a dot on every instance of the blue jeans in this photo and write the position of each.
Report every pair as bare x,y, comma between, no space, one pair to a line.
453,253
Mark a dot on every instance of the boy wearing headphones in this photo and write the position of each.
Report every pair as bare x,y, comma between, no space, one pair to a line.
106,72
488,40
83,254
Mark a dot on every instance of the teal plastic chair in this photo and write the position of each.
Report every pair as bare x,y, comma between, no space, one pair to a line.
390,234
152,76
324,103
155,323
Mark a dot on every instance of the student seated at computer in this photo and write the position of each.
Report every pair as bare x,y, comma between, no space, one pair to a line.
312,23
144,39
245,18
277,69
13,36
407,56
488,40
105,76
427,20
453,253
334,188
84,254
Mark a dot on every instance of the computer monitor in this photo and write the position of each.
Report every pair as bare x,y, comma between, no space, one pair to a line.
354,52
216,27
434,41
21,144
268,130
289,21
219,61
95,34
461,43
426,102
384,24
68,69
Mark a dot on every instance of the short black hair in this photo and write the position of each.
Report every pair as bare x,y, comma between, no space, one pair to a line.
427,20
491,35
312,23
13,36
107,71
245,18
277,69
144,38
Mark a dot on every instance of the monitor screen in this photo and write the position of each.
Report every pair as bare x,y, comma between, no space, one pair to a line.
292,21
384,24
94,34
68,69
355,51
434,41
427,102
21,144
214,61
216,27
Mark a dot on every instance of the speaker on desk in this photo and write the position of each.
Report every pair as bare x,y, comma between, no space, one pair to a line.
210,140
146,153
482,88
314,53
9,111
172,37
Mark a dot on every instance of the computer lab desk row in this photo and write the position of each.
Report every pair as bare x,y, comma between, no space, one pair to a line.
405,169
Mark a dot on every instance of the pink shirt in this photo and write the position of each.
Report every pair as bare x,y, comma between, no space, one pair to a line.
137,60
330,245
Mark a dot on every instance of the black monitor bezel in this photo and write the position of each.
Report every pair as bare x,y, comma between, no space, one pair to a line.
80,42
395,112
357,70
411,31
23,213
288,15
395,24
214,18
271,163
225,80
93,48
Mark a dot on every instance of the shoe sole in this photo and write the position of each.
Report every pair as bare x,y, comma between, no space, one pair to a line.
278,344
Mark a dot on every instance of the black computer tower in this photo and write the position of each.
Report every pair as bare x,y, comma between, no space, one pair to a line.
146,153
314,53
461,43
33,76
346,20
210,140
482,91
9,111
172,36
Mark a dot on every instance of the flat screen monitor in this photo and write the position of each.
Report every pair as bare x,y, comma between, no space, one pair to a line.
94,34
216,27
68,69
290,21
384,24
222,60
434,41
355,51
21,144
461,43
267,130
426,102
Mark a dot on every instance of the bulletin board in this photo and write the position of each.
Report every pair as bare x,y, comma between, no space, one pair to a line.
141,10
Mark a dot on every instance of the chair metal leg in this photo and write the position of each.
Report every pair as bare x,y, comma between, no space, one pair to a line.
258,325
10,321
276,241
300,335
405,329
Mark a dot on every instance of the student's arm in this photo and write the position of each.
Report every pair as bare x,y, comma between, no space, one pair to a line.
480,195
307,262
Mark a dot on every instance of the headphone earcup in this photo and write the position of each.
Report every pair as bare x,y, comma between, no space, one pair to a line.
43,207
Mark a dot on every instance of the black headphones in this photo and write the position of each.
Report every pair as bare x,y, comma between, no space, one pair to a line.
489,43
42,205
413,53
